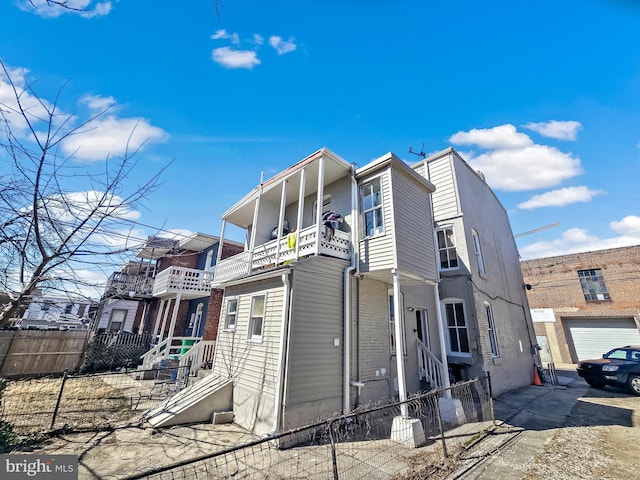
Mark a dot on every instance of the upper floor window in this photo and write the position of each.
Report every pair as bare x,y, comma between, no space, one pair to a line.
593,285
447,248
256,320
491,327
231,314
68,308
457,328
478,252
372,208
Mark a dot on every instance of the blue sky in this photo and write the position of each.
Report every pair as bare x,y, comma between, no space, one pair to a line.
543,97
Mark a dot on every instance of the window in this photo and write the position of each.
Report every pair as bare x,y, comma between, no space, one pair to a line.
447,248
231,315
478,251
392,327
256,321
593,285
116,322
457,328
491,327
68,308
372,208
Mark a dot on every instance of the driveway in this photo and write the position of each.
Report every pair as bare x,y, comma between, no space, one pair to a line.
577,432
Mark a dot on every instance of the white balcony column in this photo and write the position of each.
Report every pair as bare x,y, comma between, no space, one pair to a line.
319,203
221,242
303,178
164,319
446,383
252,241
174,316
400,347
156,325
283,201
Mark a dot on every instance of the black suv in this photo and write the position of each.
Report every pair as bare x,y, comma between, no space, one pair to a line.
620,367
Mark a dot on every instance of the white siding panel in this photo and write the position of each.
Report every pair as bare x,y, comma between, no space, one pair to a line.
413,227
378,252
315,363
445,198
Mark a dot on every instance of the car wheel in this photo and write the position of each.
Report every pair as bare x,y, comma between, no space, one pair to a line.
634,384
597,384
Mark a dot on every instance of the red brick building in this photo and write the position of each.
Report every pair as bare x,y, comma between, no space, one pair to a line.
584,304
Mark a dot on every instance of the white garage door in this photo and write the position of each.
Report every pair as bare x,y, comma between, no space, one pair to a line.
594,336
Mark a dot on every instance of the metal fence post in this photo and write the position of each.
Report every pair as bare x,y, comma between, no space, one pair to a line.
55,410
334,456
440,427
490,389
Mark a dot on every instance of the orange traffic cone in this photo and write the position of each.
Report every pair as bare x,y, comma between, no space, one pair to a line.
536,377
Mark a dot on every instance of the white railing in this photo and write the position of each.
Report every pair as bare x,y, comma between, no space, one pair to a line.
169,346
199,356
183,280
271,254
430,367
124,283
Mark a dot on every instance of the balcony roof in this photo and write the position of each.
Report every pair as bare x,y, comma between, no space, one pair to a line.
241,214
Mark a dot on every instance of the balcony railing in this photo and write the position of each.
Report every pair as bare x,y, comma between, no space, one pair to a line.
191,283
271,254
129,285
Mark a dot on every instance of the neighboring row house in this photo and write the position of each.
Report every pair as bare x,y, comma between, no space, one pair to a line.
57,312
168,293
584,304
361,285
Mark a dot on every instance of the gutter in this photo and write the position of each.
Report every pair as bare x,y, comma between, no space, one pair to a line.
279,400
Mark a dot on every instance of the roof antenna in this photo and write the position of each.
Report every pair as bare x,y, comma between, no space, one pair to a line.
420,154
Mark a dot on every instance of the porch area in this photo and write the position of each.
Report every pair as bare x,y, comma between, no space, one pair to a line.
188,282
308,241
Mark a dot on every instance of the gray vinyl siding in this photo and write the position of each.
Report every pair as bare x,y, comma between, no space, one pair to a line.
314,364
252,366
378,252
413,227
445,199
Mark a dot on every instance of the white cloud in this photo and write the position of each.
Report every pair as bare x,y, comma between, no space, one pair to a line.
98,104
230,58
514,162
560,197
109,135
223,35
257,39
577,240
83,8
561,130
500,137
282,46
628,226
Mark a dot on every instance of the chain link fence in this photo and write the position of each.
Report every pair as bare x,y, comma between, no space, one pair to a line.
83,402
374,443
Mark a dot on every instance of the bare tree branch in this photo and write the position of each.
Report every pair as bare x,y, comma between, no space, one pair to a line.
56,220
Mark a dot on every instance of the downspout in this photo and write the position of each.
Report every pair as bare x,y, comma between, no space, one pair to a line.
346,404
279,400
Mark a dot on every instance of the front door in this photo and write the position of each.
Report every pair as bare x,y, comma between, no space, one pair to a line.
422,327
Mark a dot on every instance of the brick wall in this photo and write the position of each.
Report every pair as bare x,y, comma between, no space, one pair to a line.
555,284
213,315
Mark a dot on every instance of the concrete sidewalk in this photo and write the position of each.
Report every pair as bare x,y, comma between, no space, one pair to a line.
526,420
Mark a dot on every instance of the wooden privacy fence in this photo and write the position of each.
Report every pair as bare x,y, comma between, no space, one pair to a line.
33,352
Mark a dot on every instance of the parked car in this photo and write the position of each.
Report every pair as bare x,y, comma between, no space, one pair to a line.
620,368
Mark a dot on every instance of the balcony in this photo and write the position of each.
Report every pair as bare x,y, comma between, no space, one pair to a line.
189,282
275,253
129,285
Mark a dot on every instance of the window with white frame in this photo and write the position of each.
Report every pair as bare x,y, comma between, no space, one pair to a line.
447,248
256,320
231,314
457,327
491,327
478,252
392,326
372,218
